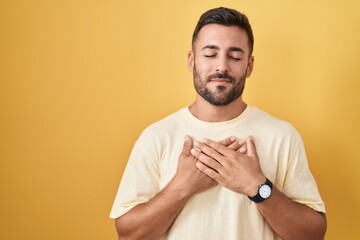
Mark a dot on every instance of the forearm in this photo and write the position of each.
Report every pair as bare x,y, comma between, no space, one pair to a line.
291,220
152,219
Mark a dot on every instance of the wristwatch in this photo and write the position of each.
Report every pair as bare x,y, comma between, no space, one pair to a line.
264,192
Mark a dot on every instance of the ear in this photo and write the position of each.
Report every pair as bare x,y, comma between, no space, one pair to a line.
191,59
250,66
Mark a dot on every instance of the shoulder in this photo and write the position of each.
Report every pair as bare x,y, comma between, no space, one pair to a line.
167,122
161,130
271,125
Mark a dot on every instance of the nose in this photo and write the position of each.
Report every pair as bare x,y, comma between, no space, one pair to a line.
222,65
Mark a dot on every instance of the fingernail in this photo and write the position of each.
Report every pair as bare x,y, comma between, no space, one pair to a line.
233,138
242,150
186,138
196,143
193,151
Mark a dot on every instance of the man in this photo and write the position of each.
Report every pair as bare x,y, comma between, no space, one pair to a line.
212,184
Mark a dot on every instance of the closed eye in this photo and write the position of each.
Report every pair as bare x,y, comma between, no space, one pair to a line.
235,58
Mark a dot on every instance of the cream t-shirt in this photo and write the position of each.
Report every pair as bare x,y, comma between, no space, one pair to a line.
217,213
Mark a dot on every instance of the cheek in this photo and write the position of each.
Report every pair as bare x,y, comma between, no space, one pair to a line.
203,68
239,70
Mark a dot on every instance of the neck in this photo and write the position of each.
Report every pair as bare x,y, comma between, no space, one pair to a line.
207,112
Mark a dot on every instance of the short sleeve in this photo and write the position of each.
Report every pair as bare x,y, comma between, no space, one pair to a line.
140,181
300,185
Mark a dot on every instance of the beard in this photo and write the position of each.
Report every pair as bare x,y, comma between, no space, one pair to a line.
222,95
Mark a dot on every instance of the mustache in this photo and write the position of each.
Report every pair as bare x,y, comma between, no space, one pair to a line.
221,75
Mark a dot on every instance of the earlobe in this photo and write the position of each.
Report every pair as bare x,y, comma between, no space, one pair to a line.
191,61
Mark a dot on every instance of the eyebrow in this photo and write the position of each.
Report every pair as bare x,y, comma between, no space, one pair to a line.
231,49
236,49
209,46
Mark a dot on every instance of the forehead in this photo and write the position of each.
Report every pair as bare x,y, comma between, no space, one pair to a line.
222,36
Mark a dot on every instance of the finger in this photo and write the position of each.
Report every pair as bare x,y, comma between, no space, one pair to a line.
242,146
238,145
228,141
242,142
187,145
242,150
205,159
208,171
234,146
219,148
251,148
210,152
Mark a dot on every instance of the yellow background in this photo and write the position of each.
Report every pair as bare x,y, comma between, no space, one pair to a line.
79,80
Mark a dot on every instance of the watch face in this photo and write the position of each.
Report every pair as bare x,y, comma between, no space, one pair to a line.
265,191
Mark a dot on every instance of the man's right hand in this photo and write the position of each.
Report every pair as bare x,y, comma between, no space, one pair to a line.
150,220
188,178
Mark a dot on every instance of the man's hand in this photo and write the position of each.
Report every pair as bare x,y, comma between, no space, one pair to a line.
188,177
235,170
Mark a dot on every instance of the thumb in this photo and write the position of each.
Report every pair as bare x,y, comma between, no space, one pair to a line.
187,145
250,145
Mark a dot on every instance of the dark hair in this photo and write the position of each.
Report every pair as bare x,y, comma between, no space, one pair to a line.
226,17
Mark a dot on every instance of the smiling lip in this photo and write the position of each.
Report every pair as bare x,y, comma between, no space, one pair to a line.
221,80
